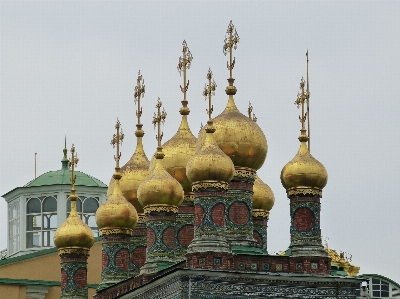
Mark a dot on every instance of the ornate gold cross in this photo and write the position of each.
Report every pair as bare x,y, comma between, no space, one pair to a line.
158,119
302,97
72,163
184,64
230,43
209,91
139,93
116,141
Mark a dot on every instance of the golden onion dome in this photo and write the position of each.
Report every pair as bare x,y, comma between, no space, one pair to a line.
304,172
73,232
239,137
263,197
133,173
177,152
116,212
160,188
210,163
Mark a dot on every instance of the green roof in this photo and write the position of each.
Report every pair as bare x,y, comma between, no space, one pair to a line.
63,177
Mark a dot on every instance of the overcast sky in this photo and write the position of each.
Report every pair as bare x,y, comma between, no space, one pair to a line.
72,67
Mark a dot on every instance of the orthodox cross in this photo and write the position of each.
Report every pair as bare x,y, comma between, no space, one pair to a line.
252,116
139,93
116,141
184,64
158,119
209,91
302,97
73,162
230,43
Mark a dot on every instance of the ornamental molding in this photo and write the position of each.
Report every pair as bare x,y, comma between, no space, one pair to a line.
260,213
107,231
160,208
196,186
303,191
245,173
188,197
74,250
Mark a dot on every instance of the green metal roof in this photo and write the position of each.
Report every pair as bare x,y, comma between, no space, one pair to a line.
63,177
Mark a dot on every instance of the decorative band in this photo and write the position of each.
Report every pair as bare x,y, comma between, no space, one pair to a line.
245,173
209,185
73,250
303,191
106,231
260,213
160,208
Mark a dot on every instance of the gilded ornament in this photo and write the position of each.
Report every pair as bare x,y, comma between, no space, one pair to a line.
73,233
160,208
116,212
160,188
210,185
260,213
209,162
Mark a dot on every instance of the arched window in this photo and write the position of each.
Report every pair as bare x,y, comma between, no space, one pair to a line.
13,226
86,208
41,221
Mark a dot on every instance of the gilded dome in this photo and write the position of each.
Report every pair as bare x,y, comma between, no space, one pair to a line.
177,152
239,137
209,162
116,212
304,171
160,188
263,197
133,173
73,233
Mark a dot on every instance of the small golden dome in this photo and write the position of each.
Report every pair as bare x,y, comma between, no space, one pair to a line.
177,152
263,197
239,137
160,188
304,171
116,212
73,233
210,162
133,173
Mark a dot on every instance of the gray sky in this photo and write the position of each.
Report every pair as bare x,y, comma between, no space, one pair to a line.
72,67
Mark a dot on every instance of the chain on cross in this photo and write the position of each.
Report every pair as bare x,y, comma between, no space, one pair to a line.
230,43
139,93
72,163
116,141
209,91
158,119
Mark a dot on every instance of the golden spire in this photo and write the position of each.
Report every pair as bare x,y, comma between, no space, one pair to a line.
230,43
116,141
184,64
252,116
157,120
308,106
73,162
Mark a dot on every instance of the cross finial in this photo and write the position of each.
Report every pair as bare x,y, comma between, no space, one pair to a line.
157,120
302,98
139,93
230,43
184,64
209,91
72,163
116,141
252,116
